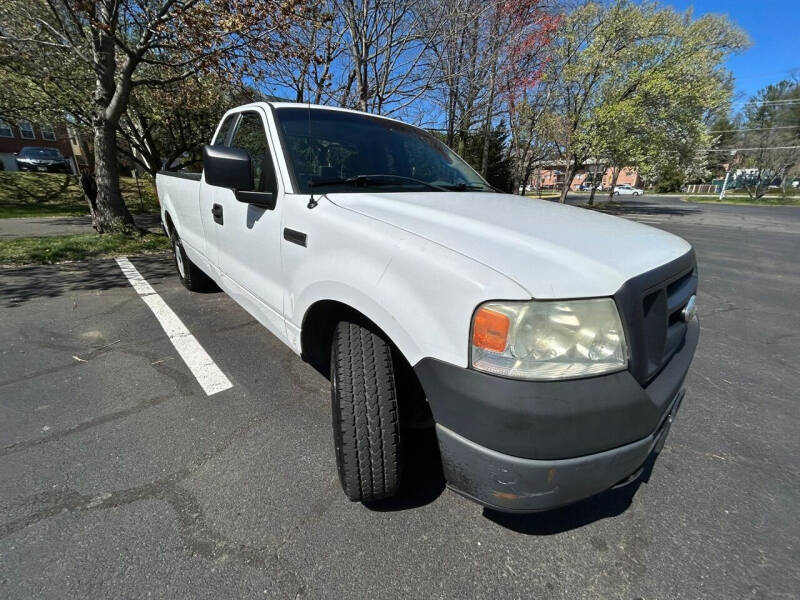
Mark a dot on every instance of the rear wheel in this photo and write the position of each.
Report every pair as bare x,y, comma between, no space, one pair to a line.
366,425
190,274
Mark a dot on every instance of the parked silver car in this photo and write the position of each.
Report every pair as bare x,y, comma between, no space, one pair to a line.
627,190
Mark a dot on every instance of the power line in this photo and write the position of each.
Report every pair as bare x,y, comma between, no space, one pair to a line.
761,75
784,101
741,149
755,129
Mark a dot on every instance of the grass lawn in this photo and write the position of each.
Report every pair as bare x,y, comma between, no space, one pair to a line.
49,250
731,199
53,194
543,196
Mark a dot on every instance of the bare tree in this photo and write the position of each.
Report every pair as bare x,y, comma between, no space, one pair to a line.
769,146
316,75
388,50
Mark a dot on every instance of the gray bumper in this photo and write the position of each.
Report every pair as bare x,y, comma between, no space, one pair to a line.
512,484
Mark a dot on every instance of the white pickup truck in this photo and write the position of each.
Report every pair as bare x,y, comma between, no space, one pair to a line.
549,344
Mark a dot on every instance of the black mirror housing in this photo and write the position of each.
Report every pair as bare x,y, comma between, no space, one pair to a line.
228,167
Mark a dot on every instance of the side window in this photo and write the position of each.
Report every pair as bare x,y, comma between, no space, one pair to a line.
48,133
5,129
222,135
26,130
250,135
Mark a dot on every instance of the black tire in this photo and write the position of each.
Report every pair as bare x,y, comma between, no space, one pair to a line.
189,273
366,424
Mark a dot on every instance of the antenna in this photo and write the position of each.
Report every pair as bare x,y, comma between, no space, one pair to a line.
312,203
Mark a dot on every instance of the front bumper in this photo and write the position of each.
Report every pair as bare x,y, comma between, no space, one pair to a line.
512,484
44,168
527,446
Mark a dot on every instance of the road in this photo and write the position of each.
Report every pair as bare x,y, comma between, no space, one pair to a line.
669,210
122,478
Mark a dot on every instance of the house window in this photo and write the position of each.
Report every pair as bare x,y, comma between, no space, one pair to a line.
26,130
5,129
48,133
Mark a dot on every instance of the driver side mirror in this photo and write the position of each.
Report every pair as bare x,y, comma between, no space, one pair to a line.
228,167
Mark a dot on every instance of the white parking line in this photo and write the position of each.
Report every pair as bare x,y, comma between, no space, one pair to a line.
202,366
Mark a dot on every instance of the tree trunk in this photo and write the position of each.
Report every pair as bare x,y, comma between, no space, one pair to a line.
572,167
614,176
487,133
487,127
594,184
109,99
111,213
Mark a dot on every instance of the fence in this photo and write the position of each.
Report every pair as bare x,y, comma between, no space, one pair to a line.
703,188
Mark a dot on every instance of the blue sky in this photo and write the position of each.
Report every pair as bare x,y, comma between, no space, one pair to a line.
773,29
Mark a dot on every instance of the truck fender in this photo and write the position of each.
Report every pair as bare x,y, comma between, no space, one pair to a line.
351,298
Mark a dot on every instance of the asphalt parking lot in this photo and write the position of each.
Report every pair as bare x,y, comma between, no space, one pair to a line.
121,478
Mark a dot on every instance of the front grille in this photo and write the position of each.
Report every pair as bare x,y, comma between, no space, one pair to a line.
650,306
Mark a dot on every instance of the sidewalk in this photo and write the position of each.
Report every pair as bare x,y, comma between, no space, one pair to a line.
49,226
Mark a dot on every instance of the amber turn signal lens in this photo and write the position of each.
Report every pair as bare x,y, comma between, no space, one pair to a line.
490,330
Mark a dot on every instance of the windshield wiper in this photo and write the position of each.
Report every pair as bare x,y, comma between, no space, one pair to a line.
471,187
375,178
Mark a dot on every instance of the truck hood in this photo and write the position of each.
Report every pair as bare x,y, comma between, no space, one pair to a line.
550,249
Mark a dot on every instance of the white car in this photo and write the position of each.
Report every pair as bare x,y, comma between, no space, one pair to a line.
627,190
548,343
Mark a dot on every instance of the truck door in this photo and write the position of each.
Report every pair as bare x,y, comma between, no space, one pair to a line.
248,235
208,197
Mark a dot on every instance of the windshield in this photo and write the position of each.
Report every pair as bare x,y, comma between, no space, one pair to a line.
357,152
48,153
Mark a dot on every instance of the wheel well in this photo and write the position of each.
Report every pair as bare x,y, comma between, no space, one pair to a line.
316,337
169,224
319,323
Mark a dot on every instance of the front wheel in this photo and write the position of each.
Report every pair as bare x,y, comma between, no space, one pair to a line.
366,424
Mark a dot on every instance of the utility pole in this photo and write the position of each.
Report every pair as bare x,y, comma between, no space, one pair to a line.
727,176
725,184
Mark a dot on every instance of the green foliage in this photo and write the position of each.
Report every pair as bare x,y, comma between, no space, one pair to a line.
669,179
635,83
49,250
168,125
499,165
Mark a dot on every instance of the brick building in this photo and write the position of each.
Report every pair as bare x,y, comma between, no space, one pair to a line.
550,176
15,136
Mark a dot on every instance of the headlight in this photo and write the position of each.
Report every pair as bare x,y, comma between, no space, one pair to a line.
558,339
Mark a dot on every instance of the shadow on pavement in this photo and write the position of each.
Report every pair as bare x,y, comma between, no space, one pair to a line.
632,207
17,286
610,503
